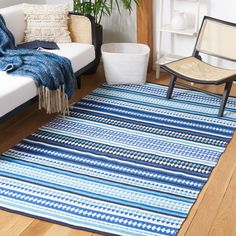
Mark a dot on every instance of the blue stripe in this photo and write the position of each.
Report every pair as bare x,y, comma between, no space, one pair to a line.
116,161
93,195
157,129
88,178
90,217
153,96
130,111
103,146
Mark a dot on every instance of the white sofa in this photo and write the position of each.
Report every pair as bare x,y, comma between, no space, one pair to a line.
15,90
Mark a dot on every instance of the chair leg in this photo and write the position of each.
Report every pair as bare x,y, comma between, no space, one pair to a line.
171,86
227,89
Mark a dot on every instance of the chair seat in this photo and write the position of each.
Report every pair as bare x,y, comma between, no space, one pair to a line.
198,71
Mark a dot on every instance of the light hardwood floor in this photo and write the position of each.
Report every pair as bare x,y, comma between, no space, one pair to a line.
214,213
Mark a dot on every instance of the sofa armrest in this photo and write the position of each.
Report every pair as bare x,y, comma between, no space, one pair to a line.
84,30
80,28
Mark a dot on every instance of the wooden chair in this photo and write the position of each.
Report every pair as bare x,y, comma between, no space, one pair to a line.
216,38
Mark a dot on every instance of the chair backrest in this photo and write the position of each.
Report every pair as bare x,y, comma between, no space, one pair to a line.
217,38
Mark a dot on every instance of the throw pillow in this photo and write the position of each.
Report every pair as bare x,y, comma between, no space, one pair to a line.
47,22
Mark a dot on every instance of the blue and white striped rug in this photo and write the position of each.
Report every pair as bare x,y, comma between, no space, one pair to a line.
125,162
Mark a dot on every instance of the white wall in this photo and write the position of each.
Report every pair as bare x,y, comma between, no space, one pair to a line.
70,2
6,3
224,10
120,27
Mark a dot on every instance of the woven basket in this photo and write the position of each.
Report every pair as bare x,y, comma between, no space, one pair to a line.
125,63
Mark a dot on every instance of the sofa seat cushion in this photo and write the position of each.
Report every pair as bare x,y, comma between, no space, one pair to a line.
16,90
79,54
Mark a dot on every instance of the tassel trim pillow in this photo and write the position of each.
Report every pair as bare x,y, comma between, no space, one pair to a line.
47,22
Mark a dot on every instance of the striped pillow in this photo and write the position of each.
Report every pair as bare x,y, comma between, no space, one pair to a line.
47,22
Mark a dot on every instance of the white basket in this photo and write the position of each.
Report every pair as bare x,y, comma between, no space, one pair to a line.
125,63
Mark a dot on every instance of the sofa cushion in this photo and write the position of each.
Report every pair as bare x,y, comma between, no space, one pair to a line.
16,90
47,22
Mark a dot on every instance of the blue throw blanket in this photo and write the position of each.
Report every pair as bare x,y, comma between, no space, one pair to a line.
52,74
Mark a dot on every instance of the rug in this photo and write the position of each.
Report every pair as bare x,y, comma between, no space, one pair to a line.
126,161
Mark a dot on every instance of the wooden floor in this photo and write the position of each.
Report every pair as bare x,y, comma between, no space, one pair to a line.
214,213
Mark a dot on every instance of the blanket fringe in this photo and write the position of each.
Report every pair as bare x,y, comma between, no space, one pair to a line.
53,101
